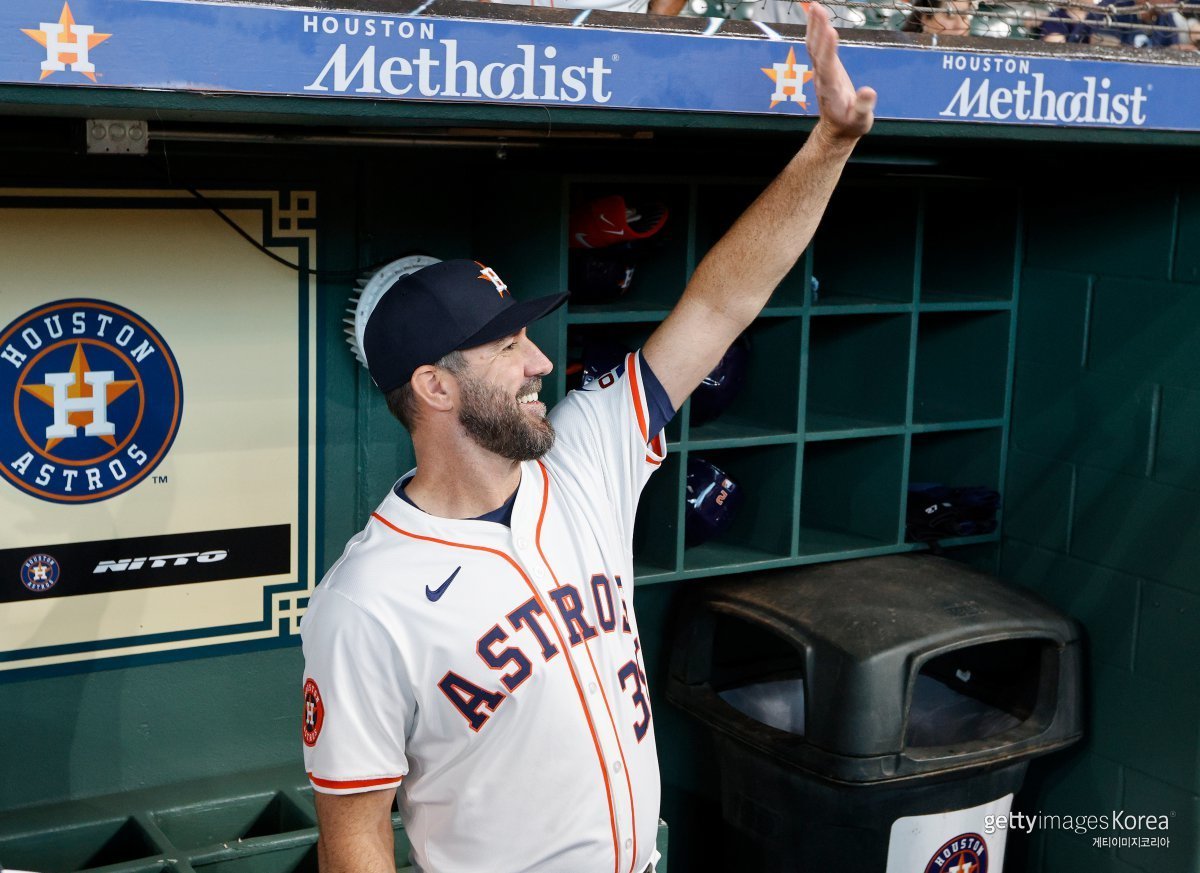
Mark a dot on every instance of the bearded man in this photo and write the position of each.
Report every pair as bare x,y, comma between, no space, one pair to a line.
476,646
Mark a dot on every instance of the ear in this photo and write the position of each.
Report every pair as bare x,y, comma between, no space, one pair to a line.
435,389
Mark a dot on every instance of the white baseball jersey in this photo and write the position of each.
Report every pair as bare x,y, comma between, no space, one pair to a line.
494,673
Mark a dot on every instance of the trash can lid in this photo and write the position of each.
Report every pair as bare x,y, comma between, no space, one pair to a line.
864,632
895,603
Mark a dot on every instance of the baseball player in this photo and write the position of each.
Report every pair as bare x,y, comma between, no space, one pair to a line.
475,649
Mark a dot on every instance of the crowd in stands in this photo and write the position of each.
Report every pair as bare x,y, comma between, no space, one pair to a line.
1162,24
1135,23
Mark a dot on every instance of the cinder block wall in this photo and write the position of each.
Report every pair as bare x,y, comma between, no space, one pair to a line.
1103,502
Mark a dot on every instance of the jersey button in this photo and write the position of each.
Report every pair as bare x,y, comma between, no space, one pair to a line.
592,687
522,543
616,766
628,845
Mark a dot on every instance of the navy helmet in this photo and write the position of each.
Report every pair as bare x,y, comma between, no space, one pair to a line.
713,499
719,388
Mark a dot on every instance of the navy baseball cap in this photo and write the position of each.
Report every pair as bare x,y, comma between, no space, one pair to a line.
439,309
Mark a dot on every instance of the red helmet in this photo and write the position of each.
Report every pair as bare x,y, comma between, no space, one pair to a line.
609,221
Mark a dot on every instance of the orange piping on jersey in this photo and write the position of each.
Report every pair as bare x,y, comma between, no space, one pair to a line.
612,813
631,367
656,445
354,783
600,684
641,416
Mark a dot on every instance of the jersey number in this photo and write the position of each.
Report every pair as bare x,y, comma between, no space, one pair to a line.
634,672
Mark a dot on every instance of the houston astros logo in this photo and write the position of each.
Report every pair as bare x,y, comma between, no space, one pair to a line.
314,713
789,78
68,45
966,853
491,275
39,572
96,400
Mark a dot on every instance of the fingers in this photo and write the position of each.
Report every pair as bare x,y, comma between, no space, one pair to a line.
848,111
817,33
817,11
864,100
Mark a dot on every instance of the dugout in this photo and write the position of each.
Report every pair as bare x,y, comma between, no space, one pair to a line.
998,304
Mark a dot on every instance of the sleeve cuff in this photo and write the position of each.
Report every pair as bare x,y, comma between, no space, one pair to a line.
353,786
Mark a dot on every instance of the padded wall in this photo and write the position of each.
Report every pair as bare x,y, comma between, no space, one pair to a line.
1103,510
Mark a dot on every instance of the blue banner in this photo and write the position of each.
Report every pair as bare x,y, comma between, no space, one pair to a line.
191,46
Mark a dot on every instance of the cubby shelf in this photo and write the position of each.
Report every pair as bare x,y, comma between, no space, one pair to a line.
732,435
261,821
956,425
932,301
956,377
845,305
893,366
593,314
827,429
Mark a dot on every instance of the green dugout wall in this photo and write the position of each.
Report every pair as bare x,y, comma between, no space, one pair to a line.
1017,308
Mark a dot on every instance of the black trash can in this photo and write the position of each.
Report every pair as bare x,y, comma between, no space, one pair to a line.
874,716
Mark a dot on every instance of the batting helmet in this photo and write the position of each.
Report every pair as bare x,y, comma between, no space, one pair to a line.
597,358
712,501
600,276
607,237
721,386
610,221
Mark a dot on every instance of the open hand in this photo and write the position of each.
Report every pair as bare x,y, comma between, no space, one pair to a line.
845,112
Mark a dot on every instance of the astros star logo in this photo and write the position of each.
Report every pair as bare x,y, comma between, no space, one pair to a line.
96,399
67,44
966,853
39,573
491,275
80,398
789,78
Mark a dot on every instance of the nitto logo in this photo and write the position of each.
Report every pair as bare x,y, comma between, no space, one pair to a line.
96,400
68,45
154,561
448,76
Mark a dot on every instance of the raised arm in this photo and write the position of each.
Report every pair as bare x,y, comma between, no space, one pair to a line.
738,275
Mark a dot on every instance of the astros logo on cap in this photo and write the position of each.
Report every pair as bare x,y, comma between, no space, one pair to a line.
96,400
493,277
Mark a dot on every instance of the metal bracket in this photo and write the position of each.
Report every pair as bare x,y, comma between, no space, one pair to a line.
111,136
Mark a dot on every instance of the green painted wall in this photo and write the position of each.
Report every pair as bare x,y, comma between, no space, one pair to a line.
118,730
1103,502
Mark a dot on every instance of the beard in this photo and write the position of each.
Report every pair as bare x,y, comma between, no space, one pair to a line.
493,419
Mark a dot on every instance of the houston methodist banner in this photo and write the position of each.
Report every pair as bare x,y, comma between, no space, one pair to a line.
259,49
156,439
